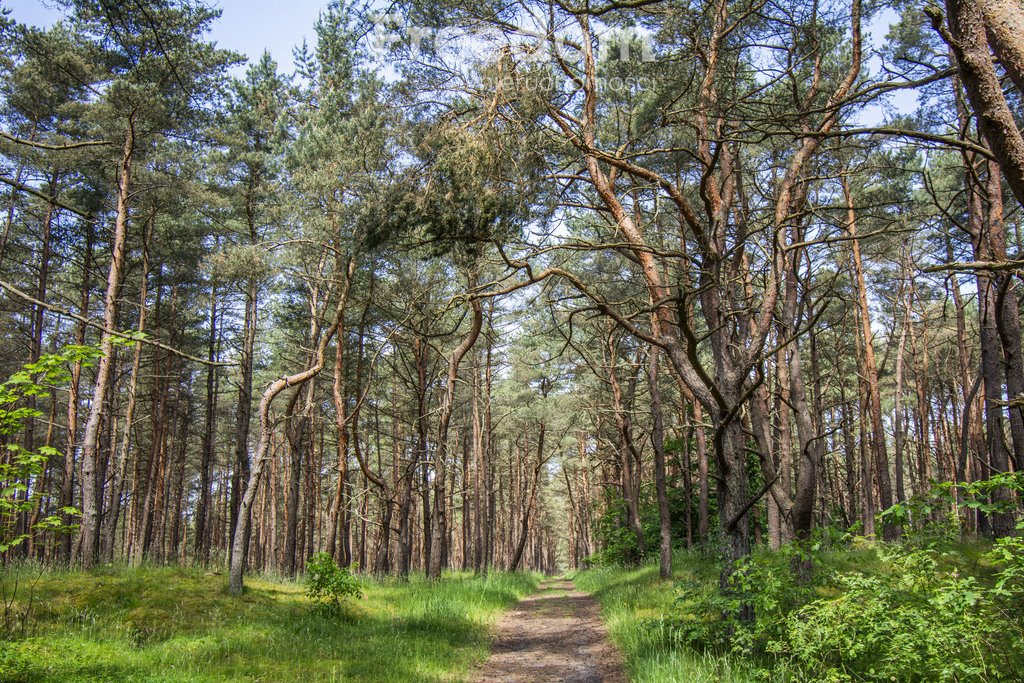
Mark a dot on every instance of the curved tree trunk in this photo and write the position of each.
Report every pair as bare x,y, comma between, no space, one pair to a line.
240,543
967,36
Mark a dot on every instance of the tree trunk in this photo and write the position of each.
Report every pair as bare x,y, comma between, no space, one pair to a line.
1004,26
68,481
622,425
531,499
338,502
243,413
441,451
898,423
201,545
967,38
120,468
870,371
91,486
295,432
658,439
240,546
1007,314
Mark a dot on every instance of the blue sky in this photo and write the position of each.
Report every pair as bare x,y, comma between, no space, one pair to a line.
250,26
246,26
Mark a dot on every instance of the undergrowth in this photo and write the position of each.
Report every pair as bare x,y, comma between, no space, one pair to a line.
873,612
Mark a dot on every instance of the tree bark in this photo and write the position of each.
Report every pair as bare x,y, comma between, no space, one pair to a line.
531,500
658,439
1004,26
240,543
878,446
338,502
120,468
441,450
625,437
201,544
243,413
91,486
967,38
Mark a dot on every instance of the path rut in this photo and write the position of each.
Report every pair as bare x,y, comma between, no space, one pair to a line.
556,634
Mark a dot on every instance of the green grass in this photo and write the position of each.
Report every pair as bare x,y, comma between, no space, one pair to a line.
171,624
638,606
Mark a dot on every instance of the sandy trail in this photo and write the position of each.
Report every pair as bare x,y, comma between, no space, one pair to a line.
556,634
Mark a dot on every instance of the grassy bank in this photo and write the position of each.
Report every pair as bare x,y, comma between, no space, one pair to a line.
169,624
640,610
873,613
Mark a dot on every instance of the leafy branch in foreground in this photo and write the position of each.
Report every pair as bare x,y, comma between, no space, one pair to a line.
938,505
21,468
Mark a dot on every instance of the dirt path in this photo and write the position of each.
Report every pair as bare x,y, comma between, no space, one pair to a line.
556,634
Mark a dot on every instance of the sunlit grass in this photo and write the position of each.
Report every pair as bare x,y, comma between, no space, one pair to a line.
637,606
170,624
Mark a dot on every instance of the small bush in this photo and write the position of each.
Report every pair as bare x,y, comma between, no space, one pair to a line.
707,619
896,613
617,539
327,584
1008,555
914,623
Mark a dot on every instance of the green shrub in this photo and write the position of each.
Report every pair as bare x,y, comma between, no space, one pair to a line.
932,519
889,613
1008,555
21,471
617,541
706,617
327,584
913,623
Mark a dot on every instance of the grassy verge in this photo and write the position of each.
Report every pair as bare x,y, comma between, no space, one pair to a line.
871,613
639,608
170,624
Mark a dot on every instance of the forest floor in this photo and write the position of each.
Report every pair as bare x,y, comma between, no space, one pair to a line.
556,634
179,624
